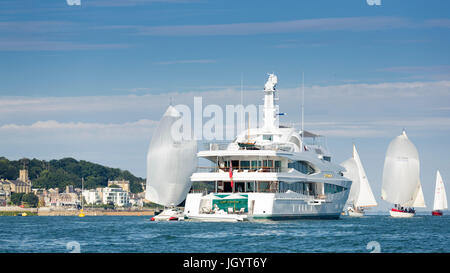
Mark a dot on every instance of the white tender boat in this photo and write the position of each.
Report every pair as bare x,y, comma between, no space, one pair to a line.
360,195
170,214
401,178
270,172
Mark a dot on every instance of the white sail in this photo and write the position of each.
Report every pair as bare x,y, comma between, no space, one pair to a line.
365,196
352,174
440,197
170,163
418,201
401,184
360,194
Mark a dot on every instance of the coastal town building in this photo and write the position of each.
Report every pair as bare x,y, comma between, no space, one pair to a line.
23,176
52,198
124,184
117,196
92,196
136,200
21,185
5,193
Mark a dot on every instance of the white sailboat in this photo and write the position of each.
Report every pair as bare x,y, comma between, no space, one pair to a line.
170,163
401,177
440,197
360,195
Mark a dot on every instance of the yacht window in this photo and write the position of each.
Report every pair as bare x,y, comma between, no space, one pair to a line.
267,137
239,187
250,187
268,186
332,188
298,187
254,164
278,165
235,164
302,166
327,158
245,165
268,163
203,187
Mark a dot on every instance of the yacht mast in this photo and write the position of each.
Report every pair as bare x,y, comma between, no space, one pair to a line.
269,107
303,102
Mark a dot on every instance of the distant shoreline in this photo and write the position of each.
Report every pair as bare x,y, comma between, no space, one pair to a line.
87,212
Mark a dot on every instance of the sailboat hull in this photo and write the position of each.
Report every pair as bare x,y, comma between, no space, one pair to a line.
353,213
436,213
400,214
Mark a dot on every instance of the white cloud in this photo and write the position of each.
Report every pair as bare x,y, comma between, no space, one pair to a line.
53,124
44,45
204,61
318,24
339,110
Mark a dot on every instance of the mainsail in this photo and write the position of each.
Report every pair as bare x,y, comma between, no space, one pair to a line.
170,163
360,192
440,197
401,182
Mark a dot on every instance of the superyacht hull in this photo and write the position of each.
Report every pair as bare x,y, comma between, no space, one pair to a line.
203,217
270,206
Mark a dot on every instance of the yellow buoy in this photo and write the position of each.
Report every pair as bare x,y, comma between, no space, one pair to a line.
81,214
24,214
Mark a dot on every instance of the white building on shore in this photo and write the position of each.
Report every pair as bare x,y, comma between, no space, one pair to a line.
92,196
117,196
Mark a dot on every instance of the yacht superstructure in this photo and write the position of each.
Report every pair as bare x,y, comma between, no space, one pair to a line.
267,173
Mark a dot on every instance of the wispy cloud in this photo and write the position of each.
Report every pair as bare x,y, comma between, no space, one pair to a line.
201,61
320,24
53,124
417,69
36,45
441,22
132,3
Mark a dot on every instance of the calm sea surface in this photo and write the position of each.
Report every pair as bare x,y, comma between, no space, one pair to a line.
106,234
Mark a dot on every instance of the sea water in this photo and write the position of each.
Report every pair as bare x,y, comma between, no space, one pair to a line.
128,234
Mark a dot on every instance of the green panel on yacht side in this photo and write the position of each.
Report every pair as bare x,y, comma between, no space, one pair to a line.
236,204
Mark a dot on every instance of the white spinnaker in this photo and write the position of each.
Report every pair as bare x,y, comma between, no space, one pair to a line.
170,163
365,197
401,172
351,172
440,197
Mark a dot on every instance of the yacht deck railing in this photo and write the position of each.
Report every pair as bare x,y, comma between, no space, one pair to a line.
204,169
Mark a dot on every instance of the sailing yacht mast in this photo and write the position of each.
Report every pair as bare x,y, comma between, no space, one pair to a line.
82,189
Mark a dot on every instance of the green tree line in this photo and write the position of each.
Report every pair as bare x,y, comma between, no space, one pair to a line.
67,171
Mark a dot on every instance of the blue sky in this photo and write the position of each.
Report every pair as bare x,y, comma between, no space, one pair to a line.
92,81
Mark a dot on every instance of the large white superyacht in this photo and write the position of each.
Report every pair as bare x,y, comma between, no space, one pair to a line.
267,173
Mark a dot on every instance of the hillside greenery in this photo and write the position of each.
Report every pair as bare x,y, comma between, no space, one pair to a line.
67,171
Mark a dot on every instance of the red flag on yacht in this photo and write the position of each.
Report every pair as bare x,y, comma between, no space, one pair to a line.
231,176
